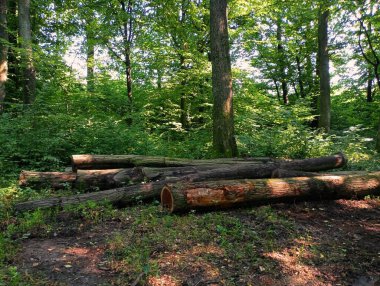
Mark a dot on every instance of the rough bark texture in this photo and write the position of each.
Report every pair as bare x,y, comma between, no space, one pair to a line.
89,180
3,50
27,50
55,180
324,71
124,195
152,190
177,198
128,161
223,116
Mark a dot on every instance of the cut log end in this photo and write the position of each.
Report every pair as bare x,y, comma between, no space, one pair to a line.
167,200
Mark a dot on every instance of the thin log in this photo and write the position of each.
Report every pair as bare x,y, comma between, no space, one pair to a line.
129,161
179,197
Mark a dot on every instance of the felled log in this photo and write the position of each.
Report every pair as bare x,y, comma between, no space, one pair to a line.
282,173
82,180
91,180
124,195
129,161
130,194
55,180
114,178
182,197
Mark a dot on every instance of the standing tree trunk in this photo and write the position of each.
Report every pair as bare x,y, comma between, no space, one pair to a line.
27,51
324,70
281,61
369,86
224,141
300,80
378,139
127,39
3,50
90,61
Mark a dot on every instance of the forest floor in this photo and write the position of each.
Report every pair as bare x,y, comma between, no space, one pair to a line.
304,243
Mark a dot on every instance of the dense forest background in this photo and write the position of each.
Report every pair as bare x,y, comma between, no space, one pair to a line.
153,77
134,77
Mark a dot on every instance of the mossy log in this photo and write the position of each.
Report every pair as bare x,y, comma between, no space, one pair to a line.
129,161
179,197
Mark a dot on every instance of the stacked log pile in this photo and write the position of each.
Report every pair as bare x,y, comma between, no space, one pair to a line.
186,184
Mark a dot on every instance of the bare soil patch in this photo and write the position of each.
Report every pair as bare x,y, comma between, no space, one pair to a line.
334,243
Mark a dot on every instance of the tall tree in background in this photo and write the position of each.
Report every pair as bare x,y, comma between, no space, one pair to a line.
3,50
324,70
378,138
281,60
223,115
25,33
90,55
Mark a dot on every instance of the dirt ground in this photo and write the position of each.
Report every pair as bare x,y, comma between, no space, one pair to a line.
340,245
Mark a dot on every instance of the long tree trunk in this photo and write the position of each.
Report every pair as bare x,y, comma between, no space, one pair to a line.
25,33
378,138
151,190
369,85
177,198
127,39
324,70
3,50
90,61
300,77
91,180
224,142
281,61
128,161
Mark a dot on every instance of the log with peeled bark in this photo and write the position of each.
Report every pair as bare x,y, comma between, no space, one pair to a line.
222,194
129,161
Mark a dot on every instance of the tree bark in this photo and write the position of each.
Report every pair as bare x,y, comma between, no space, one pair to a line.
54,180
151,190
177,198
224,142
378,139
91,180
3,50
128,161
88,180
25,33
128,40
281,61
324,70
90,61
300,80
123,195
